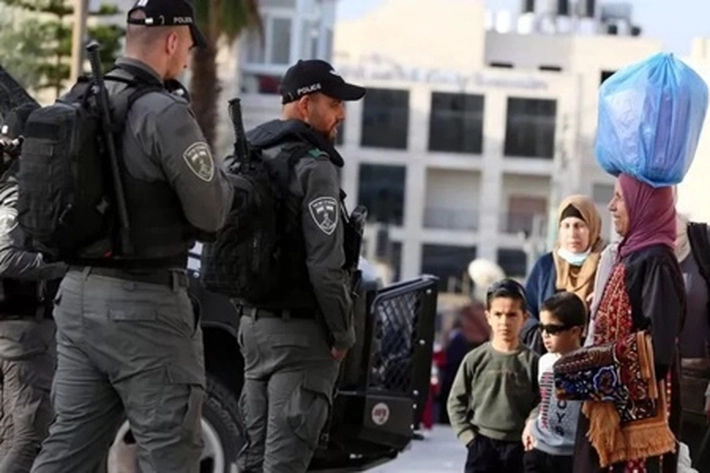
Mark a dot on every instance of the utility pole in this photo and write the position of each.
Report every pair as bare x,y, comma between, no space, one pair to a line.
81,8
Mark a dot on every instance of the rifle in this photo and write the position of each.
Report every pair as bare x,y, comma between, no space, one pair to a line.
102,102
241,145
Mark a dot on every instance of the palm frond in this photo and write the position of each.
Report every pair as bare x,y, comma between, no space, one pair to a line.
238,15
202,13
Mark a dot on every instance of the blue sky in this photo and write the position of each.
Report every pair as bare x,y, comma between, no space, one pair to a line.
675,22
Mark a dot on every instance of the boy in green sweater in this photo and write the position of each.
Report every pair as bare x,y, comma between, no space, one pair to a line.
495,390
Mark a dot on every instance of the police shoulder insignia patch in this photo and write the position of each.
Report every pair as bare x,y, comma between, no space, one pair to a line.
324,211
8,219
198,158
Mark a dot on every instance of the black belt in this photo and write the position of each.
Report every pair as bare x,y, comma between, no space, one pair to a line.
285,314
166,277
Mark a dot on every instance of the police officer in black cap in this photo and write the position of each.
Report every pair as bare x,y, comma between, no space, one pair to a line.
127,337
293,346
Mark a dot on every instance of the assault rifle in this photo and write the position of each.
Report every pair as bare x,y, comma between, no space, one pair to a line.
104,109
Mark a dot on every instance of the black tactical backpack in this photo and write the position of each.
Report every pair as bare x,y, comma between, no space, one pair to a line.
67,197
244,261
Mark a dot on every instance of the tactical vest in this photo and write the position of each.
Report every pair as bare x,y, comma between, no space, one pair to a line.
160,232
295,290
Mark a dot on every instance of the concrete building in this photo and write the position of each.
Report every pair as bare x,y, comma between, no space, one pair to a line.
476,125
693,192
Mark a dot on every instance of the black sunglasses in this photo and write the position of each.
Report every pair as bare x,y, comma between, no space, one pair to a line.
554,329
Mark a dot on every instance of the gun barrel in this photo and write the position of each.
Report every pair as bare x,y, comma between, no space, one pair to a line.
241,147
105,114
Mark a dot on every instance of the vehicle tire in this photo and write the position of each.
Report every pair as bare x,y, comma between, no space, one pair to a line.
220,413
221,435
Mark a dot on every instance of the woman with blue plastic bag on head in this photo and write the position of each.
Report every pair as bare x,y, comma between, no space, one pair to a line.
650,117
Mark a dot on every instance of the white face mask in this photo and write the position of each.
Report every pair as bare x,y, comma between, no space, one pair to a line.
575,259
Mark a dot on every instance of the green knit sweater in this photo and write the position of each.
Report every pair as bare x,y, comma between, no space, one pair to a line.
494,393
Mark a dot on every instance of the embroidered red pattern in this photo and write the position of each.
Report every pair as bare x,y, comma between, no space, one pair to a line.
613,322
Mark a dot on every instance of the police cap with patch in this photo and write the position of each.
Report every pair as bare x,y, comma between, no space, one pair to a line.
168,13
314,75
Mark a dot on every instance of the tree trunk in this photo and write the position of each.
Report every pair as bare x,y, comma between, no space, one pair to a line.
205,89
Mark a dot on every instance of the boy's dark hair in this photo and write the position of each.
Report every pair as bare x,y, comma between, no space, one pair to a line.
567,307
506,289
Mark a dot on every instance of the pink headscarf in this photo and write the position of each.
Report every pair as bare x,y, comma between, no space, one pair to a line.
652,218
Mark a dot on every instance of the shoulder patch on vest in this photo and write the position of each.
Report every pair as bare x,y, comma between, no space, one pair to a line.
8,219
324,211
198,158
316,153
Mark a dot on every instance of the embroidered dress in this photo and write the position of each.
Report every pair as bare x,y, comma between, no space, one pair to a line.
627,430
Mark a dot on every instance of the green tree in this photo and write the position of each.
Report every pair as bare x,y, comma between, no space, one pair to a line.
22,50
217,19
46,39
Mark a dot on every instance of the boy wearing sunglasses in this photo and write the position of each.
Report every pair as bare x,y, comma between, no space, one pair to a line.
549,437
495,388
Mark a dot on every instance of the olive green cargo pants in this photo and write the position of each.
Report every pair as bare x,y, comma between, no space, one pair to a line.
289,380
125,348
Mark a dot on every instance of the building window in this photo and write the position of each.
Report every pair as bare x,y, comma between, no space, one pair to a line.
381,190
309,40
449,264
513,262
605,75
255,50
328,55
280,41
526,215
456,123
276,46
260,83
530,128
385,119
396,261
388,252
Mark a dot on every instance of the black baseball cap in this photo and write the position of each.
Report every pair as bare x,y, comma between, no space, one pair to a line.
314,75
168,13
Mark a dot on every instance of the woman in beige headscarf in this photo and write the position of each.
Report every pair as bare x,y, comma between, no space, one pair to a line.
571,266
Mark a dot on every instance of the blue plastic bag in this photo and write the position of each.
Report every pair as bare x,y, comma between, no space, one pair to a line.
650,117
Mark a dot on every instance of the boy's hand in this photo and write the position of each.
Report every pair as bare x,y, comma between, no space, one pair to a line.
528,440
707,407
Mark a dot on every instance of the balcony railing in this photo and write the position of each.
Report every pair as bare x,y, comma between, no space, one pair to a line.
450,219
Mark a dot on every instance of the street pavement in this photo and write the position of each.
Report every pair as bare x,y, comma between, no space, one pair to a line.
440,452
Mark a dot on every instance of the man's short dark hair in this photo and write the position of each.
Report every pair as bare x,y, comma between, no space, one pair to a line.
568,308
506,289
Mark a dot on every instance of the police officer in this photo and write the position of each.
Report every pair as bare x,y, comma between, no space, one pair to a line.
292,348
27,354
127,337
